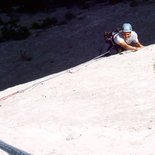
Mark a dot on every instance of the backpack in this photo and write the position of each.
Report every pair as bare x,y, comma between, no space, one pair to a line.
109,38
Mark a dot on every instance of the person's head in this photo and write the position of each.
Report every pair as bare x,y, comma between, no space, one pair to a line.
126,30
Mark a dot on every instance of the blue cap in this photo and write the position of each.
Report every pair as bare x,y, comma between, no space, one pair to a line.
127,27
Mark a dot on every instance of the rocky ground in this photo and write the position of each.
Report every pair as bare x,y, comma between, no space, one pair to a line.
63,46
65,102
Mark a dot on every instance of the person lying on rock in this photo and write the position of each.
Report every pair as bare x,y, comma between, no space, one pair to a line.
127,39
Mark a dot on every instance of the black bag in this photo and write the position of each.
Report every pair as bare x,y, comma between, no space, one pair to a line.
108,37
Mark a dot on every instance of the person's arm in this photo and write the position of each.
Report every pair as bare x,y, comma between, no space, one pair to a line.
138,44
128,47
136,40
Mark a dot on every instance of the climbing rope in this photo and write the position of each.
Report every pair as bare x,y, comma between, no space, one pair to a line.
67,71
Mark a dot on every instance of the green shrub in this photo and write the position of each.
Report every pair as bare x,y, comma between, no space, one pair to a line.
46,23
13,21
36,25
33,6
69,16
49,22
10,32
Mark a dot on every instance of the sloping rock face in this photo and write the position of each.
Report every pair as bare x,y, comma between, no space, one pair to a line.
104,106
49,51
